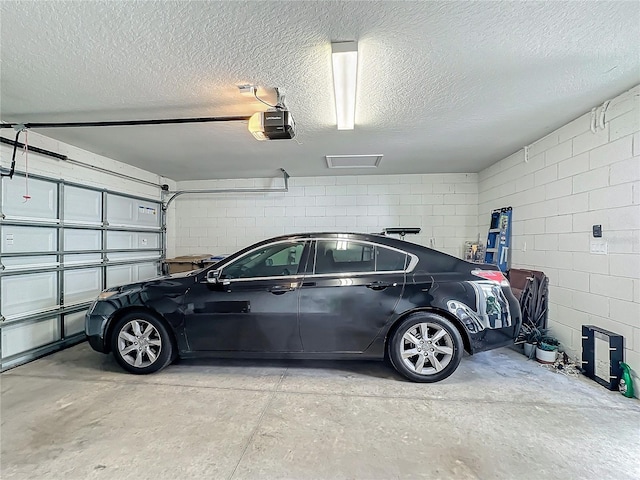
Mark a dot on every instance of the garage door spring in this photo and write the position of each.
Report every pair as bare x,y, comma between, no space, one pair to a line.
13,157
25,152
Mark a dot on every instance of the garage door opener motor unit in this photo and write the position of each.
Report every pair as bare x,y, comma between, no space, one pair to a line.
274,124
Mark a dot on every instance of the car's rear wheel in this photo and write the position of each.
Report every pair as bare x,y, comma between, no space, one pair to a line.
141,344
426,347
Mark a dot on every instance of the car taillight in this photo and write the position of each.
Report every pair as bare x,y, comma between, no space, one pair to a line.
492,275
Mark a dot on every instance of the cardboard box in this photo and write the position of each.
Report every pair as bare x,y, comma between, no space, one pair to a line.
187,263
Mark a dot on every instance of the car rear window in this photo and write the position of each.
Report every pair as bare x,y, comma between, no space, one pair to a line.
343,256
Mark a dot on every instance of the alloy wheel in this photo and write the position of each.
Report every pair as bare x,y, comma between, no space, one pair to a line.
139,343
426,348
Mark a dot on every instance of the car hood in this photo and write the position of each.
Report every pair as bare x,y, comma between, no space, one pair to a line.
191,273
164,280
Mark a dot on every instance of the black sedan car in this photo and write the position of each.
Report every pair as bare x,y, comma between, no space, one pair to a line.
313,295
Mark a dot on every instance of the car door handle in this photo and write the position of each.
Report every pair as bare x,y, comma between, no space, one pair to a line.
379,285
280,289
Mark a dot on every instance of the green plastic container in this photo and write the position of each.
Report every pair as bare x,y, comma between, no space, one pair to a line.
626,384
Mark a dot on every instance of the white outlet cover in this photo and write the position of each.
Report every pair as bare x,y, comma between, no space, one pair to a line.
599,248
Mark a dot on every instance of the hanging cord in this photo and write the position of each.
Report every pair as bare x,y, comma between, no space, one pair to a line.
279,104
13,158
25,152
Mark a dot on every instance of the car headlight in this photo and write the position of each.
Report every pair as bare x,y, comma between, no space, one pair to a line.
105,295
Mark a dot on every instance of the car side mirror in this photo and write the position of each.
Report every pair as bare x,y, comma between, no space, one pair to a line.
213,276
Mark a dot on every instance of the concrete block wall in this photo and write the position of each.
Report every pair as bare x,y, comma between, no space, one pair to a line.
443,205
575,179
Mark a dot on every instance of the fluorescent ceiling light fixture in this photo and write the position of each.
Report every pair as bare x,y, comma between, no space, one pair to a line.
354,161
344,57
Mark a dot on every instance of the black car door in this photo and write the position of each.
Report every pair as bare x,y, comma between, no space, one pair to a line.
253,307
350,293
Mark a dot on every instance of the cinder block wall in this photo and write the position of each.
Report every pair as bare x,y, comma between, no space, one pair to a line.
443,205
575,179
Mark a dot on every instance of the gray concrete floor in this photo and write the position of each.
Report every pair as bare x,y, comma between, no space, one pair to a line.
76,415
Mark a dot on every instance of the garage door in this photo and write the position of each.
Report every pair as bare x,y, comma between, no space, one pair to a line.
58,250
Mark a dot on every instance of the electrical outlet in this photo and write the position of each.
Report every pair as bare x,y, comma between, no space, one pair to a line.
247,90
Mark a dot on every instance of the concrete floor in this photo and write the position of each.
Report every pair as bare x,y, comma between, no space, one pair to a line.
76,415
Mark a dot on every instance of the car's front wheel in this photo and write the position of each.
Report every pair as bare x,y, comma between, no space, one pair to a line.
426,347
141,344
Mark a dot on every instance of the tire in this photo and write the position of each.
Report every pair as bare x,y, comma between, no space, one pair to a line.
141,343
442,356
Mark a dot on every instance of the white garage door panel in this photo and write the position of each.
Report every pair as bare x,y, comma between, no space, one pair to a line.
43,204
82,205
74,323
82,258
122,211
122,274
29,263
148,240
22,294
119,275
82,285
20,338
147,271
28,239
121,240
76,240
132,240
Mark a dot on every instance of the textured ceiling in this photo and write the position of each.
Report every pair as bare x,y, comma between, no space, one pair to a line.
443,86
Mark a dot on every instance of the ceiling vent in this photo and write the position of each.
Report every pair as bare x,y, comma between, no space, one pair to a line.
353,161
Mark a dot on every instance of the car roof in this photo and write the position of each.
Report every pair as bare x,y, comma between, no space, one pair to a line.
433,257
371,237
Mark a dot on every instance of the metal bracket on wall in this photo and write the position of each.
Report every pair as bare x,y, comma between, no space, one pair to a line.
177,193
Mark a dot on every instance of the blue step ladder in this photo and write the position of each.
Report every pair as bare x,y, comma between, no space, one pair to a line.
499,238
